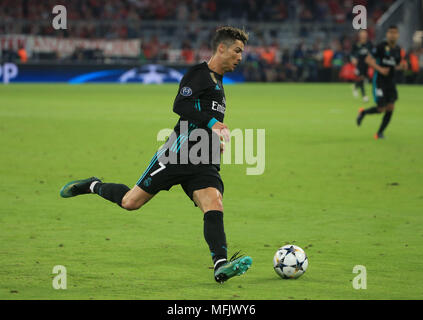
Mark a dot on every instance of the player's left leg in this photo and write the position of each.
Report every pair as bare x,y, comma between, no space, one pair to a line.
360,85
363,90
355,87
209,200
391,96
389,110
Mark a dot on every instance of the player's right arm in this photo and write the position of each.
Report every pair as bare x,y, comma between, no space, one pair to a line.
221,130
187,105
371,61
354,56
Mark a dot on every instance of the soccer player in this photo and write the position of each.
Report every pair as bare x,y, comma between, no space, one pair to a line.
385,59
361,49
200,103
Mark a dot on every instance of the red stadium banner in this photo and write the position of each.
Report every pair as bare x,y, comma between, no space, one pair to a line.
65,47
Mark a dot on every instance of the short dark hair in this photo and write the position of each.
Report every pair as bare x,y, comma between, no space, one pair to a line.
393,26
228,35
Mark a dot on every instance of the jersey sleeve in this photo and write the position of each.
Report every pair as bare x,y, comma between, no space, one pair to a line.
186,103
378,52
370,48
354,52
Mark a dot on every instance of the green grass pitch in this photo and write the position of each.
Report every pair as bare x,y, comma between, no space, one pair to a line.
328,187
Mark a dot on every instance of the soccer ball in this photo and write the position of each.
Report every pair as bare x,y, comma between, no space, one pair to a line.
290,262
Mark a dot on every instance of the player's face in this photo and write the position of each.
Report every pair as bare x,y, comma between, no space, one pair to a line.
392,35
362,36
232,55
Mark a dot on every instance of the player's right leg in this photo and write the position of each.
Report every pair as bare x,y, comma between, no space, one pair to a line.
122,195
77,187
372,110
135,198
130,199
381,101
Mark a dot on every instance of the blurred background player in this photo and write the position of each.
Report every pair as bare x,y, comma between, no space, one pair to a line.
360,50
385,59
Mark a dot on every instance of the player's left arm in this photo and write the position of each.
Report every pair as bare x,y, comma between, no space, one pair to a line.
402,66
402,62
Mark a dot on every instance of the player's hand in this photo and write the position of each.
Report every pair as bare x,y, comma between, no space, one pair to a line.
221,130
404,65
384,71
222,145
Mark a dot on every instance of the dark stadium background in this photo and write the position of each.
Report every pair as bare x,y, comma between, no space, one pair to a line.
295,41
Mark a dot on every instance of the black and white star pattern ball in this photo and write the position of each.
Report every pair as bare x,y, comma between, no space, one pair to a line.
290,262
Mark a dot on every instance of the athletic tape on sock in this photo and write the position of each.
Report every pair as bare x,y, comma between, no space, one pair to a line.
92,186
218,261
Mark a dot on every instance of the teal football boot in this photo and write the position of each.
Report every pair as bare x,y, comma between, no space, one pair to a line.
77,187
236,266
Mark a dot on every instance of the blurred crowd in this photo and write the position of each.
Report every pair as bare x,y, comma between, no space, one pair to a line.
316,63
270,56
33,12
305,62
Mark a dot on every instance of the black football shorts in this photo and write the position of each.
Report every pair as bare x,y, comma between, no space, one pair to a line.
361,71
158,177
385,94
